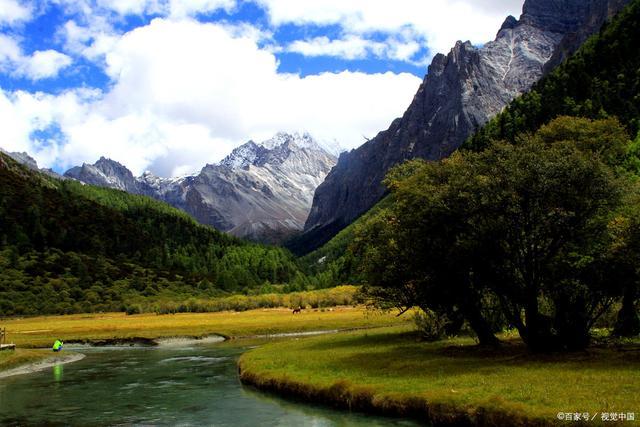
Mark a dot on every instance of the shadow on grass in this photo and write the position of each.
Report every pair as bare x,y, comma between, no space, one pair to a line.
404,356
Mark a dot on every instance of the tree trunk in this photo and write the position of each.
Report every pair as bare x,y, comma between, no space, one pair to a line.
628,323
480,326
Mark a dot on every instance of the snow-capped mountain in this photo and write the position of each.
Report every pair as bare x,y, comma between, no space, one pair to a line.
261,191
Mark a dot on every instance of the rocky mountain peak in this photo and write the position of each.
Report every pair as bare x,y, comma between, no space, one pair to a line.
28,161
24,159
259,191
108,173
243,156
272,151
460,93
509,23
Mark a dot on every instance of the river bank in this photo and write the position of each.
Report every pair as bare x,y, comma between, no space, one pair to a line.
164,385
39,332
451,382
151,330
21,364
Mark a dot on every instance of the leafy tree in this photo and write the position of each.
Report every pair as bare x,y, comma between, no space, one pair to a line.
528,224
420,250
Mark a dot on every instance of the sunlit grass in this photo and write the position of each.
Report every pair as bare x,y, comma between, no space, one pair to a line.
42,331
390,365
13,358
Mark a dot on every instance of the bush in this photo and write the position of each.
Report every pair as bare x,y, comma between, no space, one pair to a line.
133,309
430,325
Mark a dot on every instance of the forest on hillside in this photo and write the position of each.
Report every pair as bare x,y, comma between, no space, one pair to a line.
66,247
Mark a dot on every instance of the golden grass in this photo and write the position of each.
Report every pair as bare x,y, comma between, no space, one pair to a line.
42,331
448,382
13,358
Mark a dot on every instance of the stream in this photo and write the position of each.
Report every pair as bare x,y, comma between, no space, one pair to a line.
168,385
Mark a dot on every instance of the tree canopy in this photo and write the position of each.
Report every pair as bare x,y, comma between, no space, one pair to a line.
524,229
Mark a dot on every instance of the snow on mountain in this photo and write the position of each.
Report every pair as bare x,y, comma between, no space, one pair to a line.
261,191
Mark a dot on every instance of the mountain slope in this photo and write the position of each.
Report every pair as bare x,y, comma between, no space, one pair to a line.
69,247
460,93
260,191
600,78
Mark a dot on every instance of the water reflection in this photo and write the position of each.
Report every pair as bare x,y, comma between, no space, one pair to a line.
57,372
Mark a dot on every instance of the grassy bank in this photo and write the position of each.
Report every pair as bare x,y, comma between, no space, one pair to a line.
42,331
14,358
449,382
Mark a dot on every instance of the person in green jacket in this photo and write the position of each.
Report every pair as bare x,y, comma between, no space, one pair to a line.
57,346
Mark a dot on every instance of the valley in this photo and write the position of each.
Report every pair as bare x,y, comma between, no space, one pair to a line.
199,258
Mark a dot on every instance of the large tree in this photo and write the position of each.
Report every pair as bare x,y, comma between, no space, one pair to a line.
527,224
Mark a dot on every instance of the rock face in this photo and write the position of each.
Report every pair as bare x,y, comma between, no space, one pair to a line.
260,191
108,173
460,93
28,161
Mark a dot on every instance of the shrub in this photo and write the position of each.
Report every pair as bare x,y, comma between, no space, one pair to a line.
430,325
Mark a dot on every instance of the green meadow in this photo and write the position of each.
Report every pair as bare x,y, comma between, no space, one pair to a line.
452,381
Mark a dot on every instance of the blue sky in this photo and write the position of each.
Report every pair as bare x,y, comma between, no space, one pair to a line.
169,85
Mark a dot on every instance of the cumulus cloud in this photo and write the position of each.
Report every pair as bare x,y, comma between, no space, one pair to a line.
13,12
357,47
185,93
182,8
37,66
43,64
165,8
438,22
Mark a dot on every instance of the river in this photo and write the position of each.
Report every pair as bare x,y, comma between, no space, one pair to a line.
168,385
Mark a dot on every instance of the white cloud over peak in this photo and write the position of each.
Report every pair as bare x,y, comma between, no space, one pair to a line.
185,93
357,47
438,22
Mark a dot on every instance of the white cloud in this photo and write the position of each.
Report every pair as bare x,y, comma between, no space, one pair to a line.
185,93
9,52
440,22
182,8
43,64
37,66
351,47
13,12
174,8
357,47
92,41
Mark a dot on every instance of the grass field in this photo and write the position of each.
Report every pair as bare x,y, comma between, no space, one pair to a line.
42,331
453,381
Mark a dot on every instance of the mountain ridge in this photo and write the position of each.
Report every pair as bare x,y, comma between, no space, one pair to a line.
260,191
460,93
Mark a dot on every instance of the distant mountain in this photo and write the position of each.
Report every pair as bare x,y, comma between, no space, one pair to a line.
261,191
460,93
110,174
66,248
28,161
